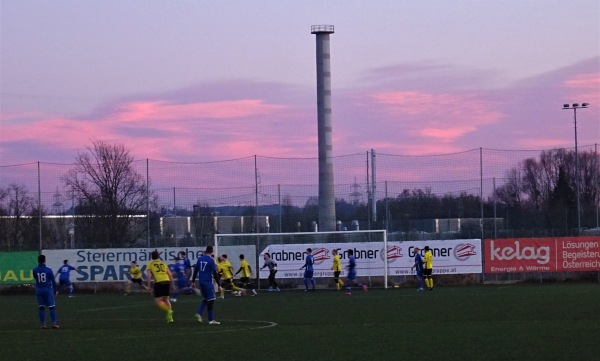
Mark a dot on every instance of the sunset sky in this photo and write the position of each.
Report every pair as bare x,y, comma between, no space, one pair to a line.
212,80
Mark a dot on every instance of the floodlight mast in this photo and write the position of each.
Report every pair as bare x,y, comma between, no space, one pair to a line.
576,106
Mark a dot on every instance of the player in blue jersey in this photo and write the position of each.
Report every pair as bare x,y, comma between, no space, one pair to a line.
45,289
418,266
308,270
206,270
65,276
352,274
182,282
186,264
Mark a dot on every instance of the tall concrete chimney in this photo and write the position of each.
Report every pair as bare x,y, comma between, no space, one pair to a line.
326,190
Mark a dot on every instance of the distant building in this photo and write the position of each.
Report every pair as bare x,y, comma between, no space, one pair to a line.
182,226
445,225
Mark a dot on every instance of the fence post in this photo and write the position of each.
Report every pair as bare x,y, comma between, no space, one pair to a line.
148,203
481,188
368,196
39,204
374,188
256,193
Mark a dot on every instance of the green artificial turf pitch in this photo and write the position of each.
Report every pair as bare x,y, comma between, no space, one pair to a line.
517,322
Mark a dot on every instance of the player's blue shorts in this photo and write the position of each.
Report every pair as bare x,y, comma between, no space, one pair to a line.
352,275
63,282
208,290
45,297
308,274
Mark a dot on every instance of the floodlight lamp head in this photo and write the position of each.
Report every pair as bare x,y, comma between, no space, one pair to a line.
585,105
566,106
575,105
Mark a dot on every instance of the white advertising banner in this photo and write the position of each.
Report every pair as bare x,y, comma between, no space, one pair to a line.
112,264
460,256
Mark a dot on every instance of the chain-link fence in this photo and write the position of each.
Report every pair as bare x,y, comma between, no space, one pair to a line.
461,195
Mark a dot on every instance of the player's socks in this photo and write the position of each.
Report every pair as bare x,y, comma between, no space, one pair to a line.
42,315
431,283
210,315
70,290
53,315
169,316
306,283
312,281
201,308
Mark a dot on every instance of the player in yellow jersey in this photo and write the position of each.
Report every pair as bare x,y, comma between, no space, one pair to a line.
428,268
246,273
227,278
337,269
163,283
136,277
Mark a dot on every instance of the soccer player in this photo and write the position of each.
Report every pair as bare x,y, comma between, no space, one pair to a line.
45,289
136,277
246,273
227,278
428,269
206,270
163,283
352,274
337,269
65,276
272,271
418,266
308,270
182,283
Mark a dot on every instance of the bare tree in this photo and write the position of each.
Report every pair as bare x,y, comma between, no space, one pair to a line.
15,204
545,188
110,193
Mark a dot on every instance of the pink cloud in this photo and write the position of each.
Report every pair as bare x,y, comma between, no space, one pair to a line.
585,86
584,81
441,117
446,135
152,110
55,131
146,127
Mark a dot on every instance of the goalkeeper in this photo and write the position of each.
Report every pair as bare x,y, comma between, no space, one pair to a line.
272,271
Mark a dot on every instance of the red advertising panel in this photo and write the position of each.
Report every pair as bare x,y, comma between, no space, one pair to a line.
542,254
578,253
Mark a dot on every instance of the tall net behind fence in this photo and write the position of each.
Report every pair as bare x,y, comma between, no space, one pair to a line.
393,192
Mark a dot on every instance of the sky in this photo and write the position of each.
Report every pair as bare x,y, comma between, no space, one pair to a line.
194,81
